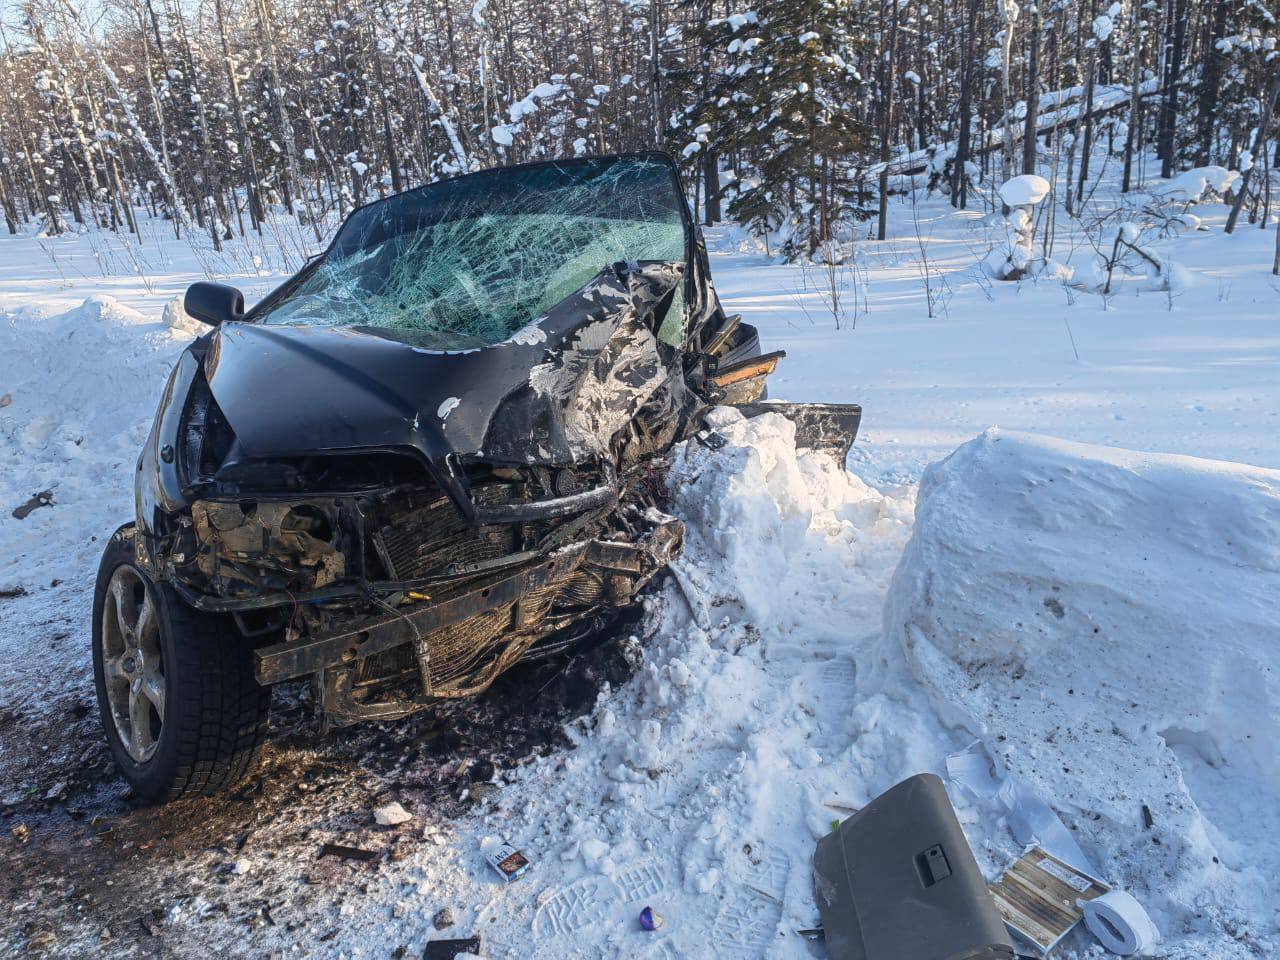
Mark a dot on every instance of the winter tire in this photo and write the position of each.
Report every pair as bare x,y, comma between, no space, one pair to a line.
180,707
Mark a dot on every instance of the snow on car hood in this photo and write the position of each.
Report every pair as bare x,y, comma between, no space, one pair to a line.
553,392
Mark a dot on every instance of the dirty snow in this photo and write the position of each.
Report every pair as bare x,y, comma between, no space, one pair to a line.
770,687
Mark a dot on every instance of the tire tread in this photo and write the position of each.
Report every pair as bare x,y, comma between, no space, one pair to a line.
217,748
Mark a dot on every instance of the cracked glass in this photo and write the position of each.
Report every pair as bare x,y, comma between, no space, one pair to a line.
465,263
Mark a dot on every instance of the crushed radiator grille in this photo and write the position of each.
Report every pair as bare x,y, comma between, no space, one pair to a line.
427,539
461,652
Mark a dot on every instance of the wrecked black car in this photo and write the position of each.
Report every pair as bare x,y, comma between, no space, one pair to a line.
434,452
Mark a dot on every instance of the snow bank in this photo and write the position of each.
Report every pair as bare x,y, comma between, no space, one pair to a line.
1107,622
84,384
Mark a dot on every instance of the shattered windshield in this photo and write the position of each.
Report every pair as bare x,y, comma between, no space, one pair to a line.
468,262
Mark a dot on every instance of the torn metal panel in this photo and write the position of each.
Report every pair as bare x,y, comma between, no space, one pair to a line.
305,390
827,427
455,644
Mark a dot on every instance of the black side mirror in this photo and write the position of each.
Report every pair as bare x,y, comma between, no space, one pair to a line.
213,303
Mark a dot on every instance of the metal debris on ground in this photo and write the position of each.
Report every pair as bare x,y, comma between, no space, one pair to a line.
348,853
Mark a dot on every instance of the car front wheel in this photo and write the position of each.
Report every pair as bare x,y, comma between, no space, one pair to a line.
180,707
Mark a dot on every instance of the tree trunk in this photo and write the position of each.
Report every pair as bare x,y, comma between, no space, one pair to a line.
393,157
10,214
1173,72
1087,147
211,187
711,175
1029,141
959,175
886,122
1132,141
1275,264
655,72
252,185
1259,144
1211,83
1009,16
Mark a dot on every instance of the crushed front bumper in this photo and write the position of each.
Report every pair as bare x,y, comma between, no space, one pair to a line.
457,642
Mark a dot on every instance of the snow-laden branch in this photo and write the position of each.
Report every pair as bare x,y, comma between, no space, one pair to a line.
126,105
415,64
1070,106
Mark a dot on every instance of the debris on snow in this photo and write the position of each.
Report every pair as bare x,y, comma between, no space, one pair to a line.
1120,923
37,500
391,815
1043,898
343,852
452,949
509,862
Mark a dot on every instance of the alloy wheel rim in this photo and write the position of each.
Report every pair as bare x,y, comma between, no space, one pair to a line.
132,663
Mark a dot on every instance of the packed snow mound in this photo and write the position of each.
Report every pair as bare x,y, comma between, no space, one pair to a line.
1107,622
1025,190
1193,184
176,318
83,386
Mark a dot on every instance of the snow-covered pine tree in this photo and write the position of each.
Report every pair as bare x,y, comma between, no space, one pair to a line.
786,102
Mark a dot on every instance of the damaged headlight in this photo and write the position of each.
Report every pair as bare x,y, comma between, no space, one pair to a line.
275,544
205,438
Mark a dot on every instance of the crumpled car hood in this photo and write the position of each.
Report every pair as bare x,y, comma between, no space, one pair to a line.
553,393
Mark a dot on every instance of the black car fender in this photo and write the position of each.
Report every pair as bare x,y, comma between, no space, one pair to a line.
158,489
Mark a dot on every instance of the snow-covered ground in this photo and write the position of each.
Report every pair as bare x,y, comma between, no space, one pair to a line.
1104,620
1198,376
